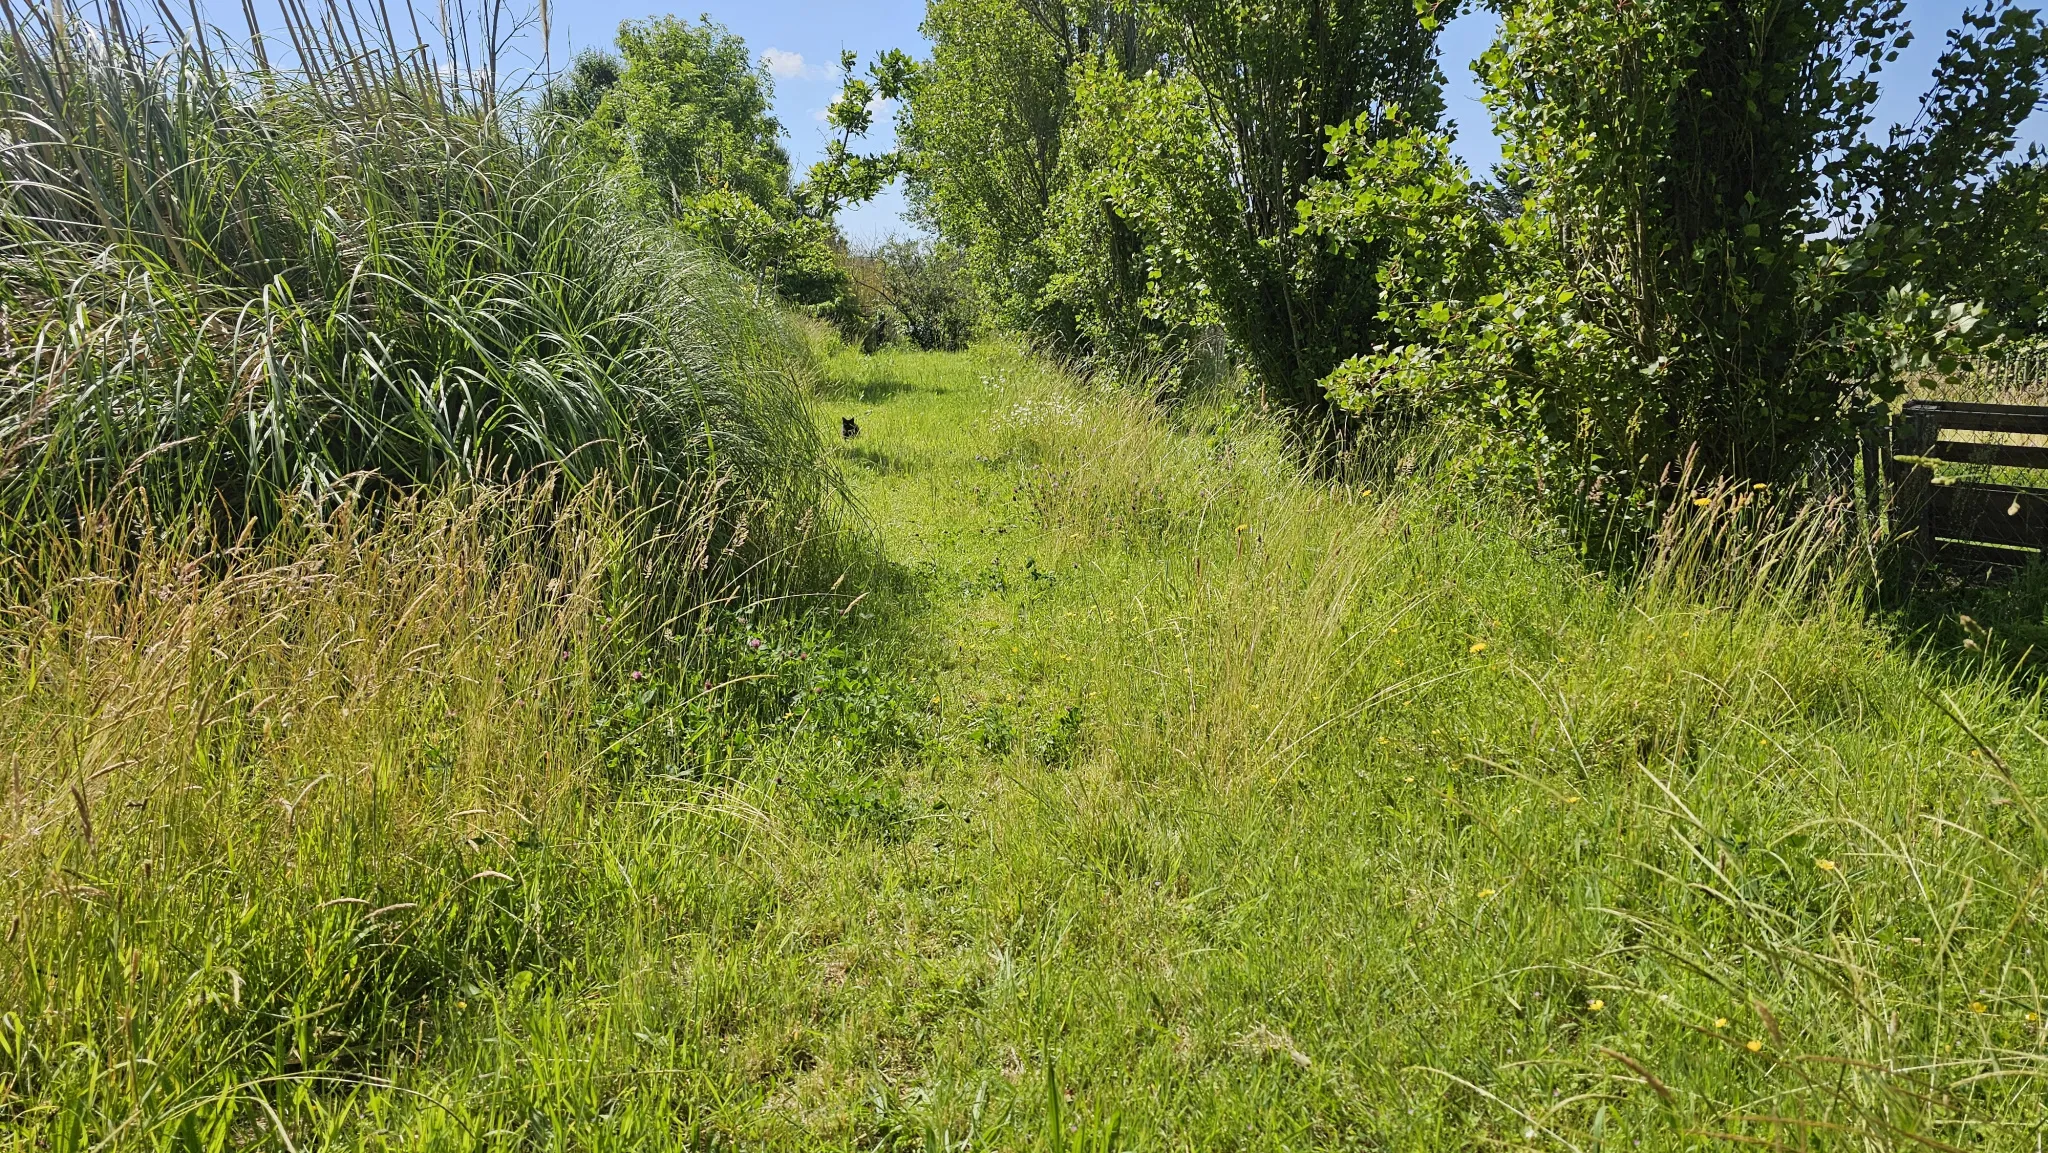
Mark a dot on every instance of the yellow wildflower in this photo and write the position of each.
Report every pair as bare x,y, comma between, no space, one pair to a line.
1823,864
1485,893
1754,1046
1596,1004
1571,800
1701,502
1720,1022
1478,646
1977,1007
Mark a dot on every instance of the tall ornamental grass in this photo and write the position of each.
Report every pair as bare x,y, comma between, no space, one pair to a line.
228,285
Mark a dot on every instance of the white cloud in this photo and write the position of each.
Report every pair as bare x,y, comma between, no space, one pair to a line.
784,64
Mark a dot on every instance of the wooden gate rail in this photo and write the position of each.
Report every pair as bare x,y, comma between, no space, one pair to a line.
1966,520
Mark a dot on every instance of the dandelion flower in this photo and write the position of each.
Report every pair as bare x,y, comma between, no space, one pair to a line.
1720,1022
1978,1007
1823,864
1754,1045
1485,893
1596,1004
2033,1016
935,700
1761,487
1701,502
1478,646
1571,800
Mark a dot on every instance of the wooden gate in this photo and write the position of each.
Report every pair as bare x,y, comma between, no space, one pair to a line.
1974,522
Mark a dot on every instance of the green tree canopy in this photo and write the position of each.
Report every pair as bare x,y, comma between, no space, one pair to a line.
1125,175
688,114
1711,260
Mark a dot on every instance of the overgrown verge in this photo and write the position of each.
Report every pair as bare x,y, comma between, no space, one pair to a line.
287,825
228,288
365,461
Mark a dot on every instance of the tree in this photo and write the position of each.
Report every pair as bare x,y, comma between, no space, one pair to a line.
1211,153
1994,249
844,176
1123,176
688,115
1711,260
682,115
576,93
983,134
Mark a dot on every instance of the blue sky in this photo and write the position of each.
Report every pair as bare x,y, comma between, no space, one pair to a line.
1902,82
800,40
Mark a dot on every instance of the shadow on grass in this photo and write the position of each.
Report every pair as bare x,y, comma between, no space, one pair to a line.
1970,617
878,391
881,462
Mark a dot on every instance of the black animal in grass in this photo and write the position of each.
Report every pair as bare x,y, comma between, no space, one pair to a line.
848,428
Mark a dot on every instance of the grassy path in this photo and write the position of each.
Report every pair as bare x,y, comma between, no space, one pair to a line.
1276,816
1138,794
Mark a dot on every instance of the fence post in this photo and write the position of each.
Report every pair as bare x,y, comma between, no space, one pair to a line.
1910,517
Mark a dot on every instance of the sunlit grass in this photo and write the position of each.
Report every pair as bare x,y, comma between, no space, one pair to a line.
1169,797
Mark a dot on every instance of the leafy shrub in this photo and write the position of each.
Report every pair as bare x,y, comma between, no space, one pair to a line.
795,256
922,288
1709,263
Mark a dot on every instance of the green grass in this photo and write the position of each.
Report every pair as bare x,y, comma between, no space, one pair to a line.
228,287
1138,793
